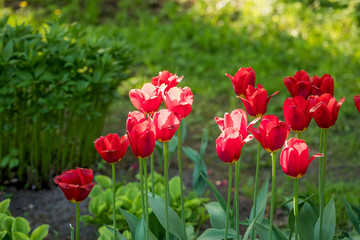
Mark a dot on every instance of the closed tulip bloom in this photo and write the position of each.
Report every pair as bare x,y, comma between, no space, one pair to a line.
167,78
134,118
229,144
326,110
297,113
322,85
299,84
166,124
76,184
147,99
256,100
179,101
272,133
242,79
294,158
142,138
236,119
112,148
357,102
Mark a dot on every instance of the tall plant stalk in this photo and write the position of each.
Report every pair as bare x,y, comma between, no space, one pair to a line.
227,220
256,186
77,221
113,192
237,176
152,175
322,167
181,183
296,210
142,187
166,190
273,178
146,200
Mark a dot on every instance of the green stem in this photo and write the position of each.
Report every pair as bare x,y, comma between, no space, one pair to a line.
237,176
71,232
298,135
142,186
273,178
152,176
296,210
181,183
77,221
146,200
113,191
228,203
256,185
322,182
321,202
166,180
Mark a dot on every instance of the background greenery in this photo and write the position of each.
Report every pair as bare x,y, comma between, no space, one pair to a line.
205,39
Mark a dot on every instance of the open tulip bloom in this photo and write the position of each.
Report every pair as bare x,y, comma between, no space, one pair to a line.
179,101
242,79
166,78
112,149
76,185
322,85
236,119
166,123
147,99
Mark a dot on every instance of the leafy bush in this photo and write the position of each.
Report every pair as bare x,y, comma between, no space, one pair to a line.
128,199
56,85
18,228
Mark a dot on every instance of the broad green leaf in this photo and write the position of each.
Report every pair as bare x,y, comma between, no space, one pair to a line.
2,234
158,207
141,231
4,206
7,223
190,232
216,192
131,220
329,222
217,215
261,200
308,217
251,225
204,142
217,234
119,236
8,50
355,220
40,232
20,225
174,186
103,181
263,230
97,190
19,236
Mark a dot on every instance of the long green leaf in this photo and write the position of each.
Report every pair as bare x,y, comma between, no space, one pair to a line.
217,234
251,225
174,221
131,220
216,192
261,200
217,214
263,230
329,222
308,217
141,231
355,220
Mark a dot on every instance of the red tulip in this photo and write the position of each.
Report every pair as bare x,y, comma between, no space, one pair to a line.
326,110
297,113
147,99
299,84
272,133
134,118
76,184
242,79
142,137
322,85
357,102
179,101
112,148
165,77
256,100
236,119
166,124
229,144
294,158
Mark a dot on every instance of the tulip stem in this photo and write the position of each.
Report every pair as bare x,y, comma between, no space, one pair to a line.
77,221
142,187
152,176
296,210
146,199
237,176
298,135
228,203
322,180
321,203
273,177
71,232
256,186
113,191
166,180
181,183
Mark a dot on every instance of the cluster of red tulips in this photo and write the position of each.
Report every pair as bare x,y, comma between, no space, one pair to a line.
312,98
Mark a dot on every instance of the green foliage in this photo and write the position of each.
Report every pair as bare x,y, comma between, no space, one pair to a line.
56,85
18,228
129,201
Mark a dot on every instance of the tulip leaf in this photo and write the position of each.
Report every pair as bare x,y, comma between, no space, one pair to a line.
40,232
263,230
204,142
308,216
141,231
329,222
217,234
217,215
251,225
355,220
216,192
131,220
158,207
261,200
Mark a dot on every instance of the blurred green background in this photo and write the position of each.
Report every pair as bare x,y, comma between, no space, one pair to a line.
204,39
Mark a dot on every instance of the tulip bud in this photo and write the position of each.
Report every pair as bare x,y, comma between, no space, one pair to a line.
242,79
